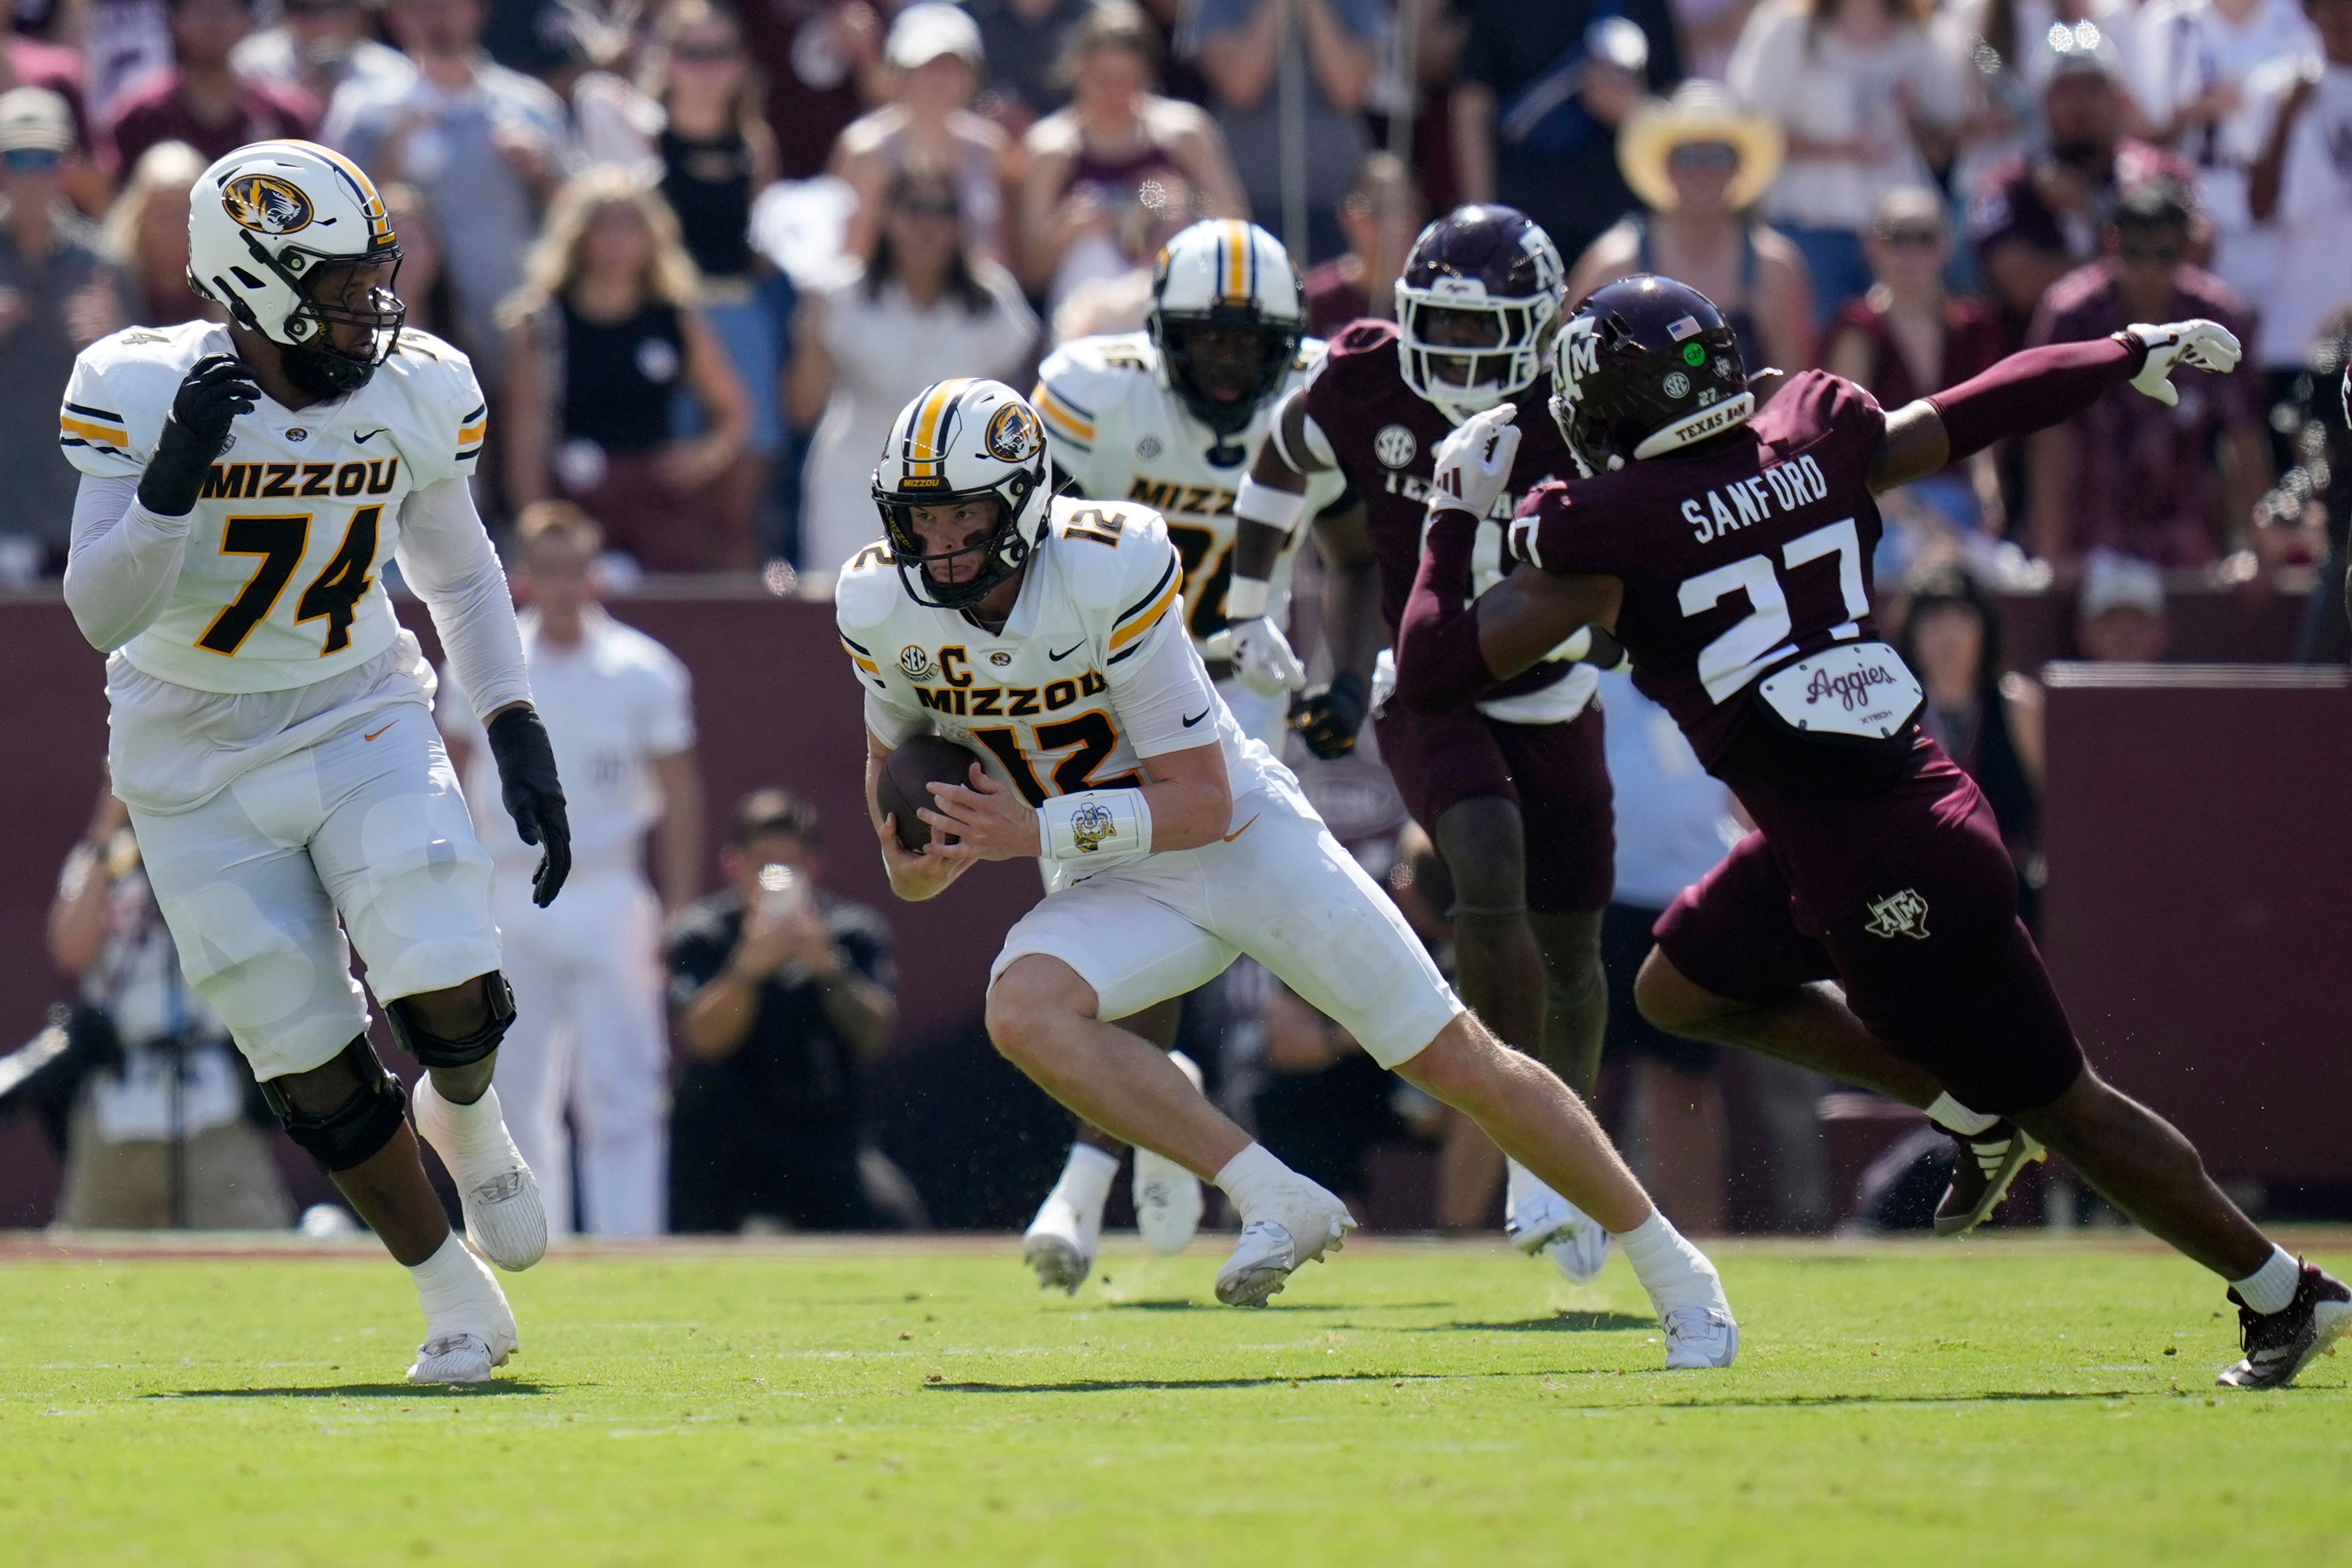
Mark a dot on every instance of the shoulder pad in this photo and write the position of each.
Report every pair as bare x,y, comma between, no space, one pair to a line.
1109,551
449,415
120,392
1085,379
867,590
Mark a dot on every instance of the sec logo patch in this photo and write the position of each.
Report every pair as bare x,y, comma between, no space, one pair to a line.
1395,446
915,662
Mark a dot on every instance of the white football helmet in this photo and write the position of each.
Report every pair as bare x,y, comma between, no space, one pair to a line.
963,440
270,217
1491,261
1222,272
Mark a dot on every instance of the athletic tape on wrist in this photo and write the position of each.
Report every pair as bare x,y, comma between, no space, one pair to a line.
1245,598
1271,507
1096,827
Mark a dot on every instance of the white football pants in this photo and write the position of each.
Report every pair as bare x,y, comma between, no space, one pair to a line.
588,1037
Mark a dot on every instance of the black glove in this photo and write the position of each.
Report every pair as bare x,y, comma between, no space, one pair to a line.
1329,716
1605,651
533,796
215,392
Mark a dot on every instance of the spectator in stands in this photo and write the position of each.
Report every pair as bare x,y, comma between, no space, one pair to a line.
929,127
1381,215
1252,54
1699,163
2037,217
816,56
1871,96
2007,44
2299,148
1089,162
58,293
423,278
604,337
2120,616
780,993
925,307
717,154
147,235
1985,715
1545,84
124,43
486,144
1119,302
1904,338
317,46
161,1133
1023,42
31,62
202,100
588,1036
2129,475
2321,480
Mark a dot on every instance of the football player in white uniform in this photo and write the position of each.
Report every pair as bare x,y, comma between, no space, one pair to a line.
242,487
1168,417
1047,634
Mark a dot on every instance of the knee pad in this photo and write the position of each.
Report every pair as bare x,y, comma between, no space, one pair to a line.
440,1051
353,1132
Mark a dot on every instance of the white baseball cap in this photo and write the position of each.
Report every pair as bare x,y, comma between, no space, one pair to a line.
924,32
34,117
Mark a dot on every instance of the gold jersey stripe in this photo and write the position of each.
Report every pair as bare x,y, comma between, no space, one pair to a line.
84,429
1149,619
1059,413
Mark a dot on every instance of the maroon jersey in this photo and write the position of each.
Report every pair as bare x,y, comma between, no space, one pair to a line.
1737,564
1385,438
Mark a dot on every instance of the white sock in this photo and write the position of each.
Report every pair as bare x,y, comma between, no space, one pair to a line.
469,1138
1955,1118
1249,1177
451,1285
1671,1270
2270,1287
1086,1179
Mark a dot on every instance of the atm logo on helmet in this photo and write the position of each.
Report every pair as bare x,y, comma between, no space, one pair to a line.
1580,356
266,203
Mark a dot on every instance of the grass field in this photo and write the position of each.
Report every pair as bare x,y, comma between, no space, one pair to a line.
2010,1400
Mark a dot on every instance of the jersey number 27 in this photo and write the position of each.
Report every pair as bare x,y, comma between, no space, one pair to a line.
1761,638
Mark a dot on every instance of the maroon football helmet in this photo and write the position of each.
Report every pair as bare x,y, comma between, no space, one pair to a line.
1489,261
1645,366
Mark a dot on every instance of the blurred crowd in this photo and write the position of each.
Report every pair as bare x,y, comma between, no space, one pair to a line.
701,255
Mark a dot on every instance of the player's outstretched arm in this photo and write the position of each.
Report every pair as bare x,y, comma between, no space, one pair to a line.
2041,387
444,554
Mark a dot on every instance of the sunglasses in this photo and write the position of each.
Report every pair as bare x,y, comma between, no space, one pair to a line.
2163,254
32,160
1911,238
1711,157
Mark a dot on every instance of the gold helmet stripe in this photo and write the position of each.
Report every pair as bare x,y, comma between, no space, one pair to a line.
924,446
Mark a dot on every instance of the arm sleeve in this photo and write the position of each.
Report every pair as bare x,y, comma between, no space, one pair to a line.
2033,390
1161,686
1439,666
123,560
446,557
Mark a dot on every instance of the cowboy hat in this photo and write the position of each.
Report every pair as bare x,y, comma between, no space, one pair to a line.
1698,111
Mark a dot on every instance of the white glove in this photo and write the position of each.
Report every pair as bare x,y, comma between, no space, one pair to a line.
1473,461
1262,658
2199,344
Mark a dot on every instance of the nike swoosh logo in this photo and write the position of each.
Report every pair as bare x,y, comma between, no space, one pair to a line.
1058,657
372,435
373,735
1237,832
1196,718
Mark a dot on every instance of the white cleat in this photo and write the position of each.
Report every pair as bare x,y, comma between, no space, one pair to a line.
1701,1336
1168,1199
1060,1244
1297,1227
469,1343
505,1220
1537,1220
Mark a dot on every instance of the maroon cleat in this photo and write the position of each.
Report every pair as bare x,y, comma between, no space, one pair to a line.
1982,1169
2279,1345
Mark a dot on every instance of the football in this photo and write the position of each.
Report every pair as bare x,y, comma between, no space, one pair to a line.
907,774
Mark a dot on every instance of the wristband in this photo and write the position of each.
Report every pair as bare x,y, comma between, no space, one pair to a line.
1269,506
1247,597
1096,828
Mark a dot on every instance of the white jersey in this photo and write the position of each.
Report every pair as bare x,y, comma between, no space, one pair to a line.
1117,431
1039,700
612,706
282,583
